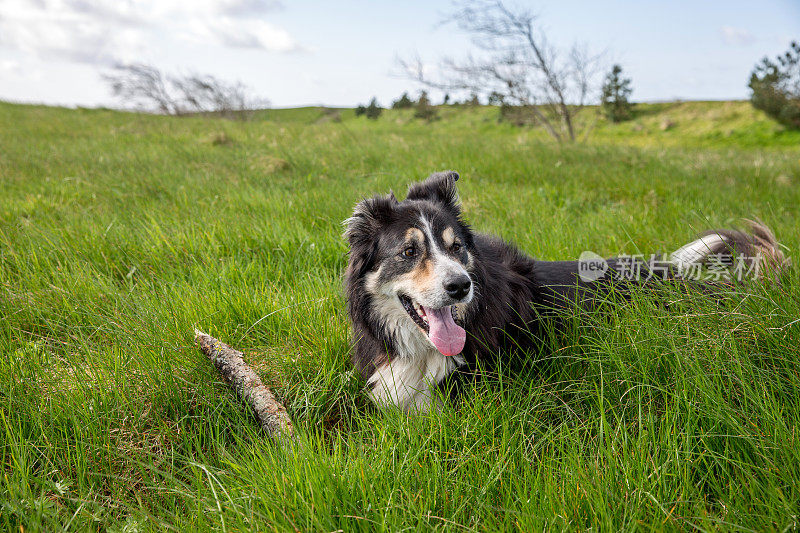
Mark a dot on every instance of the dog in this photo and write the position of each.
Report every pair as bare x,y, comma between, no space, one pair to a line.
429,297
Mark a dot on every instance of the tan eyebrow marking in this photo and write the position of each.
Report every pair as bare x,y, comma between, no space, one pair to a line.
414,234
449,237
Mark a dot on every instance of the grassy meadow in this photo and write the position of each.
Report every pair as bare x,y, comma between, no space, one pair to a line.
120,233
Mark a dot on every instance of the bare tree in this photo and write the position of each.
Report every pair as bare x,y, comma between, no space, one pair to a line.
207,94
517,63
145,87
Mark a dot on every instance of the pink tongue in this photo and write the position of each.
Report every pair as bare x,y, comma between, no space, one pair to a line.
443,332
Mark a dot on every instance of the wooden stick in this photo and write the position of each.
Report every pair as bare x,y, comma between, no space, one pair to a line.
270,412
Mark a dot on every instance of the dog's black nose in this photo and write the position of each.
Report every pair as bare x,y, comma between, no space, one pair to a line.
458,287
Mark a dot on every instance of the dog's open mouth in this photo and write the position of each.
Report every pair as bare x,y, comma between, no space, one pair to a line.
439,324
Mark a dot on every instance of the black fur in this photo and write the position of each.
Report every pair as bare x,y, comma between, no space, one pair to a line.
513,292
383,218
760,242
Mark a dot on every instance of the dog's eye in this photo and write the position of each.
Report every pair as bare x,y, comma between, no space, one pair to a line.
409,252
456,247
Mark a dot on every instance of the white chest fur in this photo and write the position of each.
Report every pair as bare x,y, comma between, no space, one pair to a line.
409,378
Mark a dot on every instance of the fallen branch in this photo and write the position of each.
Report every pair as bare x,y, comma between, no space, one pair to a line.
270,412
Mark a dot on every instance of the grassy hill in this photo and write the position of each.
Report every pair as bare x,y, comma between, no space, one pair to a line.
119,233
687,124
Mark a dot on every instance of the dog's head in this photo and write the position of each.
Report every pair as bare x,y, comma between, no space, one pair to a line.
413,259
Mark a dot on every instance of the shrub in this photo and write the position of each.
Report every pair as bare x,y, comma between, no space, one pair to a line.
373,110
616,91
518,115
424,109
776,87
404,102
496,98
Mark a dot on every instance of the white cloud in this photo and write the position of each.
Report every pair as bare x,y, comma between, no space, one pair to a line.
235,8
104,32
110,11
226,31
13,69
737,36
79,40
11,66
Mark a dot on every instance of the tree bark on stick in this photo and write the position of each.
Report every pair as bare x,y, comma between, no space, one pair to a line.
230,363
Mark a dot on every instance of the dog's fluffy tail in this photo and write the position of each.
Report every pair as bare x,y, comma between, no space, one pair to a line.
757,251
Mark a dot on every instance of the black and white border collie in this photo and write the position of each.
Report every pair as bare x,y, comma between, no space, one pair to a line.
427,296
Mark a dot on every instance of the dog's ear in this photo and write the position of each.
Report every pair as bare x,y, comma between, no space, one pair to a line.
439,187
360,229
369,215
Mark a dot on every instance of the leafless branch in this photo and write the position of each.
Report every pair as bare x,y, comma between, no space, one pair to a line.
515,60
230,363
144,87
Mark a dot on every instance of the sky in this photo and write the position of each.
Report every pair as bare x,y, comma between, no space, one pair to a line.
342,53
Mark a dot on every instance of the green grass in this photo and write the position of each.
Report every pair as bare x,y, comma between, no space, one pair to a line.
119,233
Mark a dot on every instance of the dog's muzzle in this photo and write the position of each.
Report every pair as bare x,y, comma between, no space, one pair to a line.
458,287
